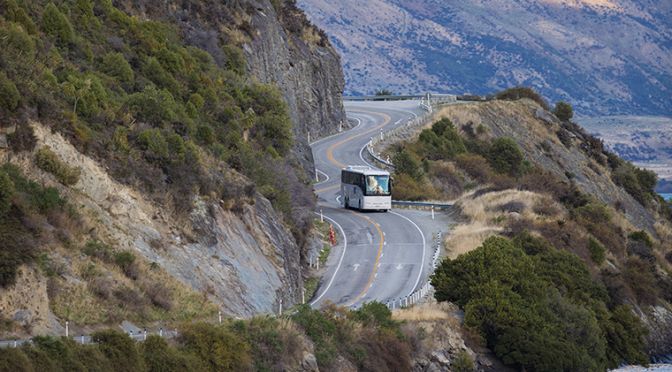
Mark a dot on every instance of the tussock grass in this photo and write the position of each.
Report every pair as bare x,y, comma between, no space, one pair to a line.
487,215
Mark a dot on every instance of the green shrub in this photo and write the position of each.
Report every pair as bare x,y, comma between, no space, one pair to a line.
153,105
597,251
541,312
505,157
522,92
18,47
9,95
155,72
6,193
16,13
405,162
161,357
48,161
120,350
98,249
463,362
23,138
127,263
115,65
640,183
374,314
57,25
563,111
219,348
641,236
235,59
13,359
154,144
441,141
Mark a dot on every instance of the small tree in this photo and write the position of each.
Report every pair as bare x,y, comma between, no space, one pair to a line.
506,157
57,25
9,95
563,111
406,163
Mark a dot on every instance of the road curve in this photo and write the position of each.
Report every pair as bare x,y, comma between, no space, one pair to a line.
384,256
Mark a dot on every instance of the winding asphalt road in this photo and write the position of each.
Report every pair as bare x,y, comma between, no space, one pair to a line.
380,256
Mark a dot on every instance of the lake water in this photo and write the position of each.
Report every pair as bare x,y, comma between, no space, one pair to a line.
666,196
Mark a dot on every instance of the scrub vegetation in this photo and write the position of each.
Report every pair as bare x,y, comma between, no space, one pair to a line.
367,338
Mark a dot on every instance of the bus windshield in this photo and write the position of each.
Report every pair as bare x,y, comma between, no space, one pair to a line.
377,185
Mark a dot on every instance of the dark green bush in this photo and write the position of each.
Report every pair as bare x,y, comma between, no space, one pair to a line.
153,105
441,141
15,13
12,359
640,183
154,144
541,312
235,59
126,262
597,251
155,72
57,25
218,347
405,162
563,111
23,138
6,193
522,92
9,95
48,161
120,350
115,65
505,157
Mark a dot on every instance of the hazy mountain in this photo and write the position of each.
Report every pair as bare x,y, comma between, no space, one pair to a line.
605,56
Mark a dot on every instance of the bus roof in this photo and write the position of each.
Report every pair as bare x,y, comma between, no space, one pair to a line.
366,170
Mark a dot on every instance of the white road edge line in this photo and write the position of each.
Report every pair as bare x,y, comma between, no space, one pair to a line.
340,260
424,243
325,175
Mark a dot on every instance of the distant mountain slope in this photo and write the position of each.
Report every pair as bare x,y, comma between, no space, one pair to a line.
605,56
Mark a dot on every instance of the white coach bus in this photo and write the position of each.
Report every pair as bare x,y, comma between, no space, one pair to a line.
365,188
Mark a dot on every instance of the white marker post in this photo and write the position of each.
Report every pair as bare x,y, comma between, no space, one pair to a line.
303,296
161,332
220,317
321,216
67,331
280,307
381,134
432,212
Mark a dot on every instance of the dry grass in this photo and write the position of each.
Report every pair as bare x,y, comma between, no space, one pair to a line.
426,312
489,213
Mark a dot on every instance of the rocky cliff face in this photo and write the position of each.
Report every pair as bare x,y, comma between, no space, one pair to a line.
307,70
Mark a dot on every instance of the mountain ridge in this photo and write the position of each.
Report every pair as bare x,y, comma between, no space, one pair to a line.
605,57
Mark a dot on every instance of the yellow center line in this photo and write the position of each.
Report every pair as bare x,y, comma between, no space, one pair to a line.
330,150
332,187
372,276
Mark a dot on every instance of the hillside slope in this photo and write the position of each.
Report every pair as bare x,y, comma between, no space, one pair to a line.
545,205
150,173
605,57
